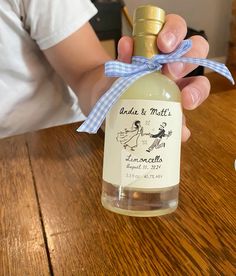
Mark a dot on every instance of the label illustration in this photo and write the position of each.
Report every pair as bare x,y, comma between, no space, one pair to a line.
130,137
142,144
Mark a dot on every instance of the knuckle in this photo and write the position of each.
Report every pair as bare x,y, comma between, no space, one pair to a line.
177,25
177,19
200,45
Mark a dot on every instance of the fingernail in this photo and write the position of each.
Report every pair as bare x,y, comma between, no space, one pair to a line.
188,133
170,40
194,94
176,69
185,134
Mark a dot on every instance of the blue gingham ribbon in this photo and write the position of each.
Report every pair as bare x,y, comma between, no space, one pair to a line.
129,73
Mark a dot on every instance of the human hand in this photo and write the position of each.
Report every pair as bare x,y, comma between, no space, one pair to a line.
194,90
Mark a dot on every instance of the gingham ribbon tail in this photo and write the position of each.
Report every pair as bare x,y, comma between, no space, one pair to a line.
129,73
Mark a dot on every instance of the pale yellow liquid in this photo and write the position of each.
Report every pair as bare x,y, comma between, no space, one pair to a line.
144,202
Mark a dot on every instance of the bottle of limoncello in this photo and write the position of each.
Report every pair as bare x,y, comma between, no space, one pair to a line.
141,169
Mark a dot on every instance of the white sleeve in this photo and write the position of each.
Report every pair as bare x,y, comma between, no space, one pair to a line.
51,21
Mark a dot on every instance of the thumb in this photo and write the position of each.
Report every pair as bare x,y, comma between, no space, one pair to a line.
125,49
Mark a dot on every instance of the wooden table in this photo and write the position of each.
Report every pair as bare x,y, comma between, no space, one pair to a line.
52,221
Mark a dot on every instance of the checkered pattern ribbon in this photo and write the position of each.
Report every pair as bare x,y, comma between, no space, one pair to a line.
129,73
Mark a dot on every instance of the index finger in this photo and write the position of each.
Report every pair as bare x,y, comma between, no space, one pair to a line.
173,32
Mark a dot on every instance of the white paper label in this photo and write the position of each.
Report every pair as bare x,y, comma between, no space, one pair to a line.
142,144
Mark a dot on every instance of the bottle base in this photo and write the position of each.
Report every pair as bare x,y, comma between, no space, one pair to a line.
155,213
139,203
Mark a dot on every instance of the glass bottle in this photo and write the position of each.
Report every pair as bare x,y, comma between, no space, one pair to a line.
141,167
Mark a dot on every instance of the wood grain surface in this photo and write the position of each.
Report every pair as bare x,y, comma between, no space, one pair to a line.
22,247
85,239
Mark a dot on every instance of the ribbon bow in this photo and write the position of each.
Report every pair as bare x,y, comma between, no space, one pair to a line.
129,73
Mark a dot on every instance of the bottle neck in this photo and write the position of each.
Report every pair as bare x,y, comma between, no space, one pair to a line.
145,45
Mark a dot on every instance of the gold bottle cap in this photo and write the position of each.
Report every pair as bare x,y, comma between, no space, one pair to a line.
148,19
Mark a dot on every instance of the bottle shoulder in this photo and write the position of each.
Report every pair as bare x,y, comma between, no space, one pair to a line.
153,86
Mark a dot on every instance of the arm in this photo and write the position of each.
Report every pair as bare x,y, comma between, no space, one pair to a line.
168,134
79,60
